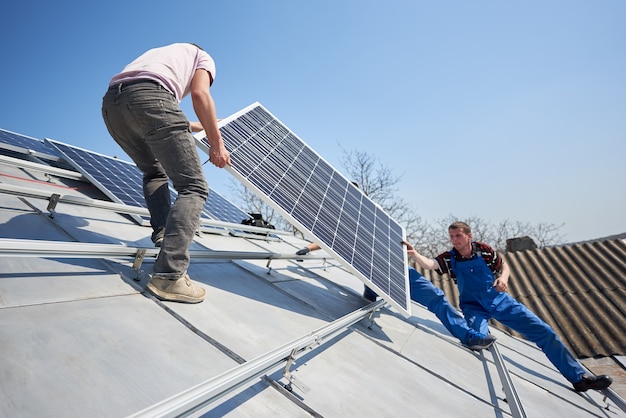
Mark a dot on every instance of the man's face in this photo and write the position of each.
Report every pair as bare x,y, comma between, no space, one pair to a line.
459,239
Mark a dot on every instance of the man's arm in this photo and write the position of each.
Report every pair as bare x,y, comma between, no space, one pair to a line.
423,261
204,107
197,126
501,283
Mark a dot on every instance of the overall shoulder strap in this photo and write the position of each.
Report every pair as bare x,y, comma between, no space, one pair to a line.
453,259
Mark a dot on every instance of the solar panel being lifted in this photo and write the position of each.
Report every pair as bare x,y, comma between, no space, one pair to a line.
122,182
284,171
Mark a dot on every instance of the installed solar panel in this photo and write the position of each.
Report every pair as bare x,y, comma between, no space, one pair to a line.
26,145
284,171
121,181
219,208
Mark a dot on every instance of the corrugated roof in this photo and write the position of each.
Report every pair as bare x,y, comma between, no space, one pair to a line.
578,289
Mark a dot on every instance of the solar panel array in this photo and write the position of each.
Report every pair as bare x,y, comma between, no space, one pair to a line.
218,207
284,171
26,145
122,182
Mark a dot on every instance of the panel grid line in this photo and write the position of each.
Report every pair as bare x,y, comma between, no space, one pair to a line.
286,173
122,182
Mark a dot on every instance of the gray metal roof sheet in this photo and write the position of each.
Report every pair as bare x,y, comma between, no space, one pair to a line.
79,337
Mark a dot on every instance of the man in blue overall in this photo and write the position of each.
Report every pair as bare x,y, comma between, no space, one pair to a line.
427,294
424,292
482,276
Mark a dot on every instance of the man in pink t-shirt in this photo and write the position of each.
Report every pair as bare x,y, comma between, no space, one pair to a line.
142,113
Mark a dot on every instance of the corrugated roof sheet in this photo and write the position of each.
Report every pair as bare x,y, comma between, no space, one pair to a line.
578,289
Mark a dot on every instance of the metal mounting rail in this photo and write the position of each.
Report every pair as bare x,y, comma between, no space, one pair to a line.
618,400
47,169
197,399
61,249
31,152
513,400
55,198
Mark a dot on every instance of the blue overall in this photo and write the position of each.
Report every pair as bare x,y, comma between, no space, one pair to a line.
433,298
479,301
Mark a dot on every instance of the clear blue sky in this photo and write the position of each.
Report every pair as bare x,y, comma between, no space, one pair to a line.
497,109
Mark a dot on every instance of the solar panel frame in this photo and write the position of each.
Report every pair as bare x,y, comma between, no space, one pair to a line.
27,145
273,162
119,180
122,182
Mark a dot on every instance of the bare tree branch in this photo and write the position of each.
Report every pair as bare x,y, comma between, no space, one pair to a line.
379,183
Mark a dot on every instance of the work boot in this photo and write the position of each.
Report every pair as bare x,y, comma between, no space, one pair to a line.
593,382
480,341
181,290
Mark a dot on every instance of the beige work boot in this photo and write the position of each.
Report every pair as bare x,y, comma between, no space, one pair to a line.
181,290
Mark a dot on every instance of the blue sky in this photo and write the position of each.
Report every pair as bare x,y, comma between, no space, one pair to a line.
501,110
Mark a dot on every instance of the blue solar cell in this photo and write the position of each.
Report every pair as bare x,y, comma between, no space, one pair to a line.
25,145
122,182
218,207
273,162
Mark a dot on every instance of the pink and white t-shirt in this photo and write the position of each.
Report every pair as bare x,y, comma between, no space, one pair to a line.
173,66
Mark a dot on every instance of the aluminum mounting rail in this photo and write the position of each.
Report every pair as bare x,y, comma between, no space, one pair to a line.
512,398
60,249
618,400
47,169
31,152
54,198
197,399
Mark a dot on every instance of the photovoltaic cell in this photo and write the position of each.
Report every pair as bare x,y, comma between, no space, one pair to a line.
284,171
26,145
122,182
219,208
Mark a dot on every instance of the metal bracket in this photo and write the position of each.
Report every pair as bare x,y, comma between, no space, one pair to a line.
137,264
269,269
291,379
371,318
53,200
138,259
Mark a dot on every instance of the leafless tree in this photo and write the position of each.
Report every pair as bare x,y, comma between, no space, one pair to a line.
379,183
496,235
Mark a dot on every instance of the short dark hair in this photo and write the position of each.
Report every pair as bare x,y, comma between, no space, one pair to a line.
462,226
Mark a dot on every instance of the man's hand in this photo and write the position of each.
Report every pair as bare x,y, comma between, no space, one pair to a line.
218,156
424,262
501,284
